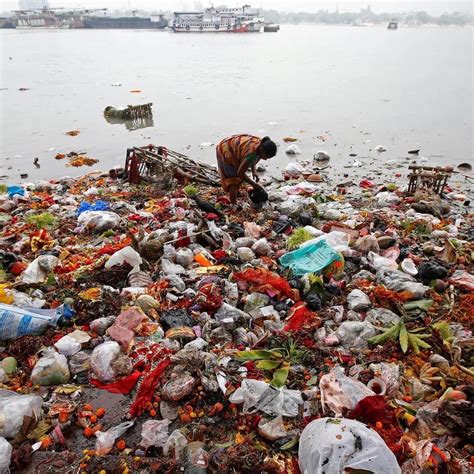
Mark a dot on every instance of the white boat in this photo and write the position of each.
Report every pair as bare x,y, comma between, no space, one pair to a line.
219,20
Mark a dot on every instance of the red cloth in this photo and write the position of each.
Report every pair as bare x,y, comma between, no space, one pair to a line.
124,386
133,173
301,318
147,388
263,281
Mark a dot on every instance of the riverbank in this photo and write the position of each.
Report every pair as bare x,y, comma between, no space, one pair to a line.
197,330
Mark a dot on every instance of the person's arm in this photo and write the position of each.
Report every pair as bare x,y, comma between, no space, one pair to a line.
241,173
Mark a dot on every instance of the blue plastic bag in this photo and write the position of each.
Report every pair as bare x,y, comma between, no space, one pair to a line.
12,190
96,206
310,259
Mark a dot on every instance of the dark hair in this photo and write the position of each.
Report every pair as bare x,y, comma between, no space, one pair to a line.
268,147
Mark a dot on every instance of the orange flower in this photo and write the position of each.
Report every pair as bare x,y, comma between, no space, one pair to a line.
100,412
121,444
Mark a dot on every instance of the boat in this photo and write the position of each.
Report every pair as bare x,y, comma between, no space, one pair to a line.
126,22
271,28
44,18
393,25
219,20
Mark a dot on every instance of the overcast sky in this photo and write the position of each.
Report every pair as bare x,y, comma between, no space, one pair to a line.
434,7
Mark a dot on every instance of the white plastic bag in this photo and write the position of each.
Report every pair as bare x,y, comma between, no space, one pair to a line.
39,269
67,345
340,393
293,150
13,408
102,358
339,445
155,433
169,268
106,439
377,262
125,255
51,369
5,454
184,257
294,170
98,221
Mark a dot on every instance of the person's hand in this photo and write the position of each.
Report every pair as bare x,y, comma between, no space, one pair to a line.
256,177
257,187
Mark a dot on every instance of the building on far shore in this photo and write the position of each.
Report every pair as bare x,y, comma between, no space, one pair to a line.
32,4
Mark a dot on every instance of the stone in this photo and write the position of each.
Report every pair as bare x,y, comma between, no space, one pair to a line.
386,241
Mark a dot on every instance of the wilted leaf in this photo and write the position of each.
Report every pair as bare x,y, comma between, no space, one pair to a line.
256,355
424,305
290,444
268,364
279,377
403,337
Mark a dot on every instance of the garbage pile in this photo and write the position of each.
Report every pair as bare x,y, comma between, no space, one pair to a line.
144,330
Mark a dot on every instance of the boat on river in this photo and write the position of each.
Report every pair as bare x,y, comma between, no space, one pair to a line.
271,28
393,25
219,20
126,22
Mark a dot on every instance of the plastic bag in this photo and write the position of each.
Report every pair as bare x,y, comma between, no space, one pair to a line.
378,262
177,441
294,170
80,362
184,257
67,346
16,322
102,358
51,369
5,454
226,311
245,254
15,190
125,255
355,334
100,325
357,300
341,445
98,221
261,247
340,393
155,433
169,268
293,150
387,198
259,395
106,439
310,259
84,206
255,301
272,429
338,240
13,408
400,281
39,269
178,388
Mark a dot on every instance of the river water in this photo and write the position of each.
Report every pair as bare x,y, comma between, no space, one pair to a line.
340,89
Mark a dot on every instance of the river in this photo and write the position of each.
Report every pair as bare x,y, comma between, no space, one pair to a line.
336,88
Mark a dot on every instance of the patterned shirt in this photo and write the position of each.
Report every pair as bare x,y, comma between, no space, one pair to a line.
237,148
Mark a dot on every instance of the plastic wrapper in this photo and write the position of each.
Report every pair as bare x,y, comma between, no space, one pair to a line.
178,442
378,262
255,301
294,170
155,433
102,358
341,445
13,408
272,429
226,311
125,255
310,259
51,369
386,199
85,206
100,325
257,395
105,440
39,269
184,257
16,322
170,268
98,221
5,455
340,393
80,362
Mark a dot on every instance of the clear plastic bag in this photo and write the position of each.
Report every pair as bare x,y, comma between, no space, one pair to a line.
39,269
106,439
102,358
184,257
341,445
98,221
125,255
67,346
177,441
51,369
5,455
155,433
13,408
80,362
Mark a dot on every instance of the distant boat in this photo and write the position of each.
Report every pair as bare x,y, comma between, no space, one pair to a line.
393,25
127,22
271,28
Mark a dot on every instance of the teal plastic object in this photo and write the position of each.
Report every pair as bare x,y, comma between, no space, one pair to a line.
313,258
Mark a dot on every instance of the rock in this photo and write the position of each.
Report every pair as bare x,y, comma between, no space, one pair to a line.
386,241
354,334
431,271
367,244
305,218
358,300
382,317
380,148
147,302
293,150
321,156
261,247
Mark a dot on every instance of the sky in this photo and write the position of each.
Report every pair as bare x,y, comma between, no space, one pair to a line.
433,7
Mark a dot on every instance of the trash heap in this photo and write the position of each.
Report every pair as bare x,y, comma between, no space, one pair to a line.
144,331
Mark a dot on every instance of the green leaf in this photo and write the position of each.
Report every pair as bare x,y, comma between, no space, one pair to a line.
391,332
403,337
268,364
443,328
290,444
279,377
256,355
424,305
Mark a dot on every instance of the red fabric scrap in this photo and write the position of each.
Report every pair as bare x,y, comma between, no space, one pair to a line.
301,318
147,388
124,386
